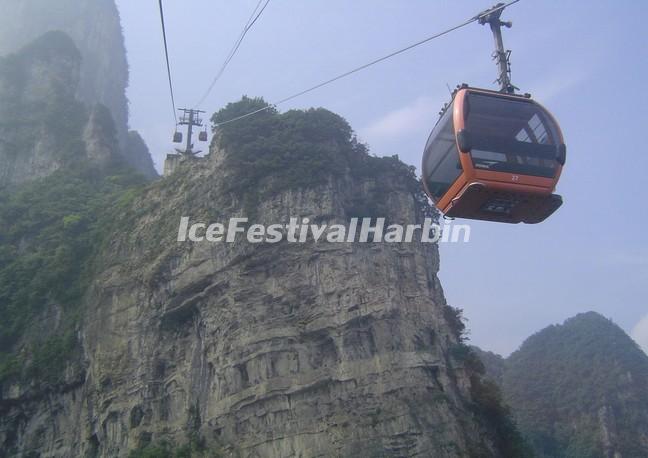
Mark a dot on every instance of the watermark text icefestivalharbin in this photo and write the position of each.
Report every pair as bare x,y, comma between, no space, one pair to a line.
302,230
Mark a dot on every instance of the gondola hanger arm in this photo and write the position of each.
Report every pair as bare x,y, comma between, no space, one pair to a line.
501,56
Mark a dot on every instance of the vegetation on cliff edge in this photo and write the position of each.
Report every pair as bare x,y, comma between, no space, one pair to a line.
300,149
50,232
487,400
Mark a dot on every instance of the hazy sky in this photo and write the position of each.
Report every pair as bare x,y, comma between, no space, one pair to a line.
586,61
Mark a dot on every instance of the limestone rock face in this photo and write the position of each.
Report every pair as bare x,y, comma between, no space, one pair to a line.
268,350
34,85
95,29
43,127
99,136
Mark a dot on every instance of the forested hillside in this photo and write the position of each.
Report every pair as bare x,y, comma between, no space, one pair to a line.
578,390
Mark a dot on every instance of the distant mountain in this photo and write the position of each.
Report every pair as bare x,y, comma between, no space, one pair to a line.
139,155
578,390
494,364
43,127
94,27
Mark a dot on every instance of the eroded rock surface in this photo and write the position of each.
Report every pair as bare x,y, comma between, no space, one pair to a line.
265,350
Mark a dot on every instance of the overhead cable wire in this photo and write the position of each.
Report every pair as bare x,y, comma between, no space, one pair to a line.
367,65
258,15
168,65
248,25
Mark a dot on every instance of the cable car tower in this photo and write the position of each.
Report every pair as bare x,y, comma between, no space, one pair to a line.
190,118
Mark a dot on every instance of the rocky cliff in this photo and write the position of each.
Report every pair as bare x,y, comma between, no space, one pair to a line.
43,127
261,349
94,26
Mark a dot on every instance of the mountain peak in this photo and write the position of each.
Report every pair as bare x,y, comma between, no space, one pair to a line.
579,388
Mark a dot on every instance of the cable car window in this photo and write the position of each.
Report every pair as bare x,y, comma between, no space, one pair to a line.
508,135
441,166
485,159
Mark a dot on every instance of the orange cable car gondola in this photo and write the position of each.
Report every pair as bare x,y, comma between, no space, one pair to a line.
494,156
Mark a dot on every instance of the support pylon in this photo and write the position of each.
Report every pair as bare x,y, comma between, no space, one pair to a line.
190,118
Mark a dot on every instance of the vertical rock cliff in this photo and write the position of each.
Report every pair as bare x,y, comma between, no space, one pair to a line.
94,26
43,127
264,349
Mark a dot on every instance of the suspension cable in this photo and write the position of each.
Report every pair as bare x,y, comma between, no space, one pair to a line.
369,64
248,25
168,66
